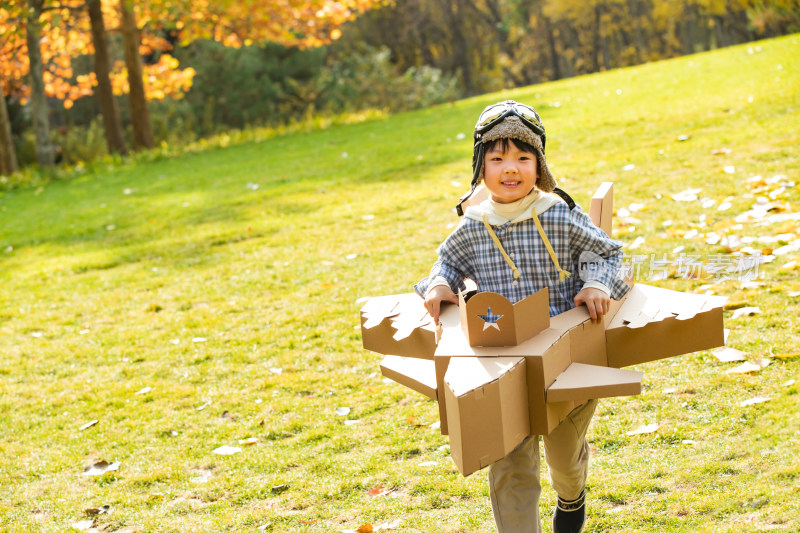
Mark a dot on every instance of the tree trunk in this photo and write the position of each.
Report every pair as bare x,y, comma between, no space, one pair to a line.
39,114
140,116
102,68
552,49
461,47
8,157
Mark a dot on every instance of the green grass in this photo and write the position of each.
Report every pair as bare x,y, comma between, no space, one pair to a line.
227,281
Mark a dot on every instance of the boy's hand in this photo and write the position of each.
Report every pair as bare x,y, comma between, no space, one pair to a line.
597,302
435,297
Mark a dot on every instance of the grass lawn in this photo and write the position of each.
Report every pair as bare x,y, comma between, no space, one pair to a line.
211,299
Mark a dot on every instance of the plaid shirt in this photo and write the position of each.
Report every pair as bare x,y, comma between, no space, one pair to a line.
470,253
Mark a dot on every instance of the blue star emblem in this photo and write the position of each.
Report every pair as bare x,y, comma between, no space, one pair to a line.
490,320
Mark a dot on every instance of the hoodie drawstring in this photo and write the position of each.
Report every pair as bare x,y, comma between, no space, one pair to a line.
500,246
562,274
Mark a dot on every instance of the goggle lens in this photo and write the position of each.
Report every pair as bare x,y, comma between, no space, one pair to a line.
493,113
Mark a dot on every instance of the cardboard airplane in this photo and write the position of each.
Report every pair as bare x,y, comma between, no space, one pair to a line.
503,371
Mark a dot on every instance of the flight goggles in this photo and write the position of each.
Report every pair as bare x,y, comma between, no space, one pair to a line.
496,113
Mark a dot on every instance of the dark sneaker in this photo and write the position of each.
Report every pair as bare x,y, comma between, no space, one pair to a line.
570,515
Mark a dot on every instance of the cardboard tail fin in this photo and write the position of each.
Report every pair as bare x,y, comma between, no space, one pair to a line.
580,382
416,374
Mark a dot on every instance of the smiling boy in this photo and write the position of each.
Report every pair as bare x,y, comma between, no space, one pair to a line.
520,240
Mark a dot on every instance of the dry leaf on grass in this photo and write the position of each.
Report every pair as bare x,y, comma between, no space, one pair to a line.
277,489
248,441
754,401
87,425
745,311
649,428
727,355
786,355
143,391
744,368
689,195
227,450
342,411
99,468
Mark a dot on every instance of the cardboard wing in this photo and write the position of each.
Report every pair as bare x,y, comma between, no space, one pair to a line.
654,323
398,325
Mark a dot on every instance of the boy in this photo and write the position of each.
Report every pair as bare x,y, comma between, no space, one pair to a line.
521,239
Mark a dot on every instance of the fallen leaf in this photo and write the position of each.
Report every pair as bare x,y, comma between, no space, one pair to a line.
754,401
744,368
763,363
689,195
786,355
99,468
87,425
199,339
729,169
227,450
636,243
649,428
745,311
143,391
277,489
682,138
248,441
342,411
788,383
377,490
365,528
727,355
276,371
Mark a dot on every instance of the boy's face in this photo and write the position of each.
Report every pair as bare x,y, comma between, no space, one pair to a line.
509,175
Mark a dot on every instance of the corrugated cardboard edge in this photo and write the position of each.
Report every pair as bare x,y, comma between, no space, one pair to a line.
416,374
601,208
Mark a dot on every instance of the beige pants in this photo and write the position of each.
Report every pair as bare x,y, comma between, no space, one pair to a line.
514,480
